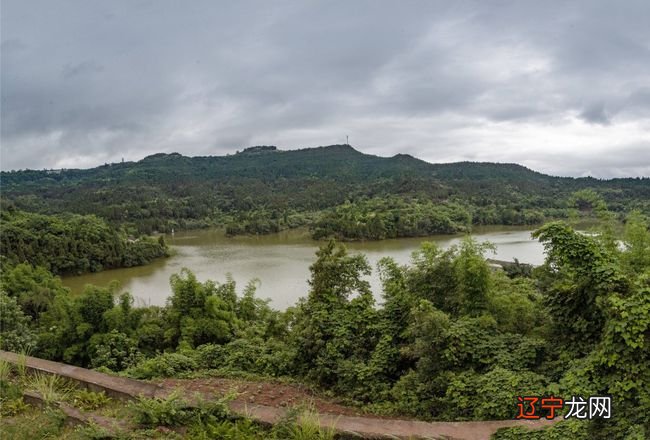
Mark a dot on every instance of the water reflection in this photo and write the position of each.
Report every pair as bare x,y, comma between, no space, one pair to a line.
281,261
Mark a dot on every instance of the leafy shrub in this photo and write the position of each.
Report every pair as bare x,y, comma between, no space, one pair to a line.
89,400
238,355
94,431
416,397
490,395
170,411
174,411
277,359
211,411
272,357
15,333
164,365
114,350
210,356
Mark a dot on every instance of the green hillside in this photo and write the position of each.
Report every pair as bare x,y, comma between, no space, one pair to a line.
263,189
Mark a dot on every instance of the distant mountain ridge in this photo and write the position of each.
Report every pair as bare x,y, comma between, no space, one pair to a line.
340,155
171,189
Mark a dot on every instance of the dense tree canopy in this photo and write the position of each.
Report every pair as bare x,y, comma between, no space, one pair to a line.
377,219
72,244
449,331
264,190
451,338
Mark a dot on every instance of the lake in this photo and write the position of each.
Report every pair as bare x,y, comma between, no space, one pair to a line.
281,261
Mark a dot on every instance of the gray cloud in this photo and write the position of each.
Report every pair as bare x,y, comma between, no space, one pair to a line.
87,67
562,87
596,114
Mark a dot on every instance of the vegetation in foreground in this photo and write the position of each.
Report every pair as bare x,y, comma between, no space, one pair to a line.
451,340
169,418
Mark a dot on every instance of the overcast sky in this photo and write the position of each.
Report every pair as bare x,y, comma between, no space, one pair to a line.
562,87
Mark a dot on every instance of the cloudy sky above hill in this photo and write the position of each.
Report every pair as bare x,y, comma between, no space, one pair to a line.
562,87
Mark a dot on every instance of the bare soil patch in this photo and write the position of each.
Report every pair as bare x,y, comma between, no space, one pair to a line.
277,395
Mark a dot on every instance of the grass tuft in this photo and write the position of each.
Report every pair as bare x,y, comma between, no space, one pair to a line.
50,387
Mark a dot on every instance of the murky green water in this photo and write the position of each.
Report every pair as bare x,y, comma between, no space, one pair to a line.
280,261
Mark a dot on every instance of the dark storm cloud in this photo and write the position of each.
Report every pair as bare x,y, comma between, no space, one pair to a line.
560,86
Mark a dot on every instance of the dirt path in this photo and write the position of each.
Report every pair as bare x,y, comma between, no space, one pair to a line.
277,395
267,402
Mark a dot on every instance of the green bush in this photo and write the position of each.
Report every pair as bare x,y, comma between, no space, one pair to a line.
210,356
271,357
113,350
15,332
277,359
491,395
174,411
242,355
88,400
170,411
164,365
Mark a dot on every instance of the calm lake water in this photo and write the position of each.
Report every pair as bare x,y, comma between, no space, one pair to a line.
280,261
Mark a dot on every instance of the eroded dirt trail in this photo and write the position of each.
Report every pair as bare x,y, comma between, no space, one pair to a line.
268,402
278,395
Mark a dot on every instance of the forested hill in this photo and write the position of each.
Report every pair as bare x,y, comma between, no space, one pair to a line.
262,189
340,162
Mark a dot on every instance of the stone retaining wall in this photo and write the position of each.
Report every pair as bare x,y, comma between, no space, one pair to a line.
115,387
